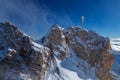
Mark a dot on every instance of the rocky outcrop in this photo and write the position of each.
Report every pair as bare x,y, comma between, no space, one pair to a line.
95,49
20,56
56,40
87,45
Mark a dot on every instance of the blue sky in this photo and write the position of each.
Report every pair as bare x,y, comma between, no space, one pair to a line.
35,17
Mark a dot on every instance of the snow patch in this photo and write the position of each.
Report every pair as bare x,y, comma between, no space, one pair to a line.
71,68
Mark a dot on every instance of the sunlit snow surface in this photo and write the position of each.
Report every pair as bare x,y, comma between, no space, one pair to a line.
71,68
115,44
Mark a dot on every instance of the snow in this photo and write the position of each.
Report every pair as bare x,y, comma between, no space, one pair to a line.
36,48
12,50
79,66
25,34
63,36
68,69
25,76
71,75
78,28
115,44
65,74
37,45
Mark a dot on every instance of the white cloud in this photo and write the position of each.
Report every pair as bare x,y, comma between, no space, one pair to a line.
31,19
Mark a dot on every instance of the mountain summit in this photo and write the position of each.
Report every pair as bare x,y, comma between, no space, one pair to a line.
84,44
64,54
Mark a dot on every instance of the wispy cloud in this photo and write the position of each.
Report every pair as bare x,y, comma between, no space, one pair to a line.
31,19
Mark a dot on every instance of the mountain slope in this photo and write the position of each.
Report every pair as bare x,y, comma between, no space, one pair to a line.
71,68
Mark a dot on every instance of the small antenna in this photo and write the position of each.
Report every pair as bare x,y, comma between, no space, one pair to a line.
82,21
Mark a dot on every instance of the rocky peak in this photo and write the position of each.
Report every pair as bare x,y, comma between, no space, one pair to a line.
56,38
87,45
58,33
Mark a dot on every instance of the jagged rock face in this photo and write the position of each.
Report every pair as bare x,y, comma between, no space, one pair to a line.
94,49
56,39
19,55
87,45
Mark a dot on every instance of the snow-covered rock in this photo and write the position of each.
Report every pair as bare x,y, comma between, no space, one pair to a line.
87,45
56,38
20,57
79,55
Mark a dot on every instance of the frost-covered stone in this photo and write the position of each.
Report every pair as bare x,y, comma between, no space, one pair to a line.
87,45
20,57
56,39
